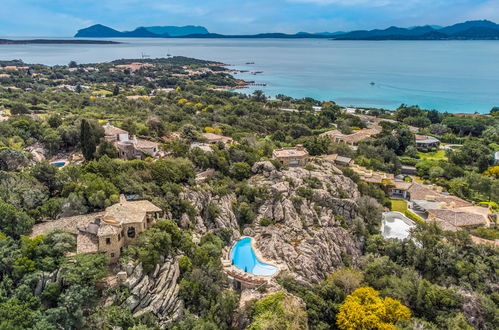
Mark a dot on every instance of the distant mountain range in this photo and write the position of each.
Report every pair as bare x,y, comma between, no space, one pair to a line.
471,30
478,30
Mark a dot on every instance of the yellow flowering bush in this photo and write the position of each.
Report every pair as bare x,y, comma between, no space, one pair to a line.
365,309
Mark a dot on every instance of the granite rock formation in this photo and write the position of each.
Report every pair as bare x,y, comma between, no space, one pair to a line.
299,223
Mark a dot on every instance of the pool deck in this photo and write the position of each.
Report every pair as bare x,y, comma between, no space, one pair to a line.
246,277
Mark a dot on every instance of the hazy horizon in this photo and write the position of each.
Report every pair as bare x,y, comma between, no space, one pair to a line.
60,18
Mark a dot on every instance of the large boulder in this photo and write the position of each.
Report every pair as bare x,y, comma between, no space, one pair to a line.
156,293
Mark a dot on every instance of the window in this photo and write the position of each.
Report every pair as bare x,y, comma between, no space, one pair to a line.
119,237
112,255
108,241
131,232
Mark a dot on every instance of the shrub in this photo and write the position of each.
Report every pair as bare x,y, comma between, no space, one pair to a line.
265,222
364,309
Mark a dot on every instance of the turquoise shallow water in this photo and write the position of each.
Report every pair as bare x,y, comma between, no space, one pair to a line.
244,258
453,76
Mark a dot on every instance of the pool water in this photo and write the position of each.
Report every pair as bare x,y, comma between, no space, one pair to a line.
59,164
244,258
396,225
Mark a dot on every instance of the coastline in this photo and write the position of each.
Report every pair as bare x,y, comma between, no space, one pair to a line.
429,87
57,42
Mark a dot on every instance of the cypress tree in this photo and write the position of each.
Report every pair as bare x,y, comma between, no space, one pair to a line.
90,135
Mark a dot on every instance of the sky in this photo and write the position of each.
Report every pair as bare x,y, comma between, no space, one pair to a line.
64,17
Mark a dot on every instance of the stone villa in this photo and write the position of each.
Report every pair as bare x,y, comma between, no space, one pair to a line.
108,231
426,142
429,202
293,156
130,147
447,211
212,138
354,138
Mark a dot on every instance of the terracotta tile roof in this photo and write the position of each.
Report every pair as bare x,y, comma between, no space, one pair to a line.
131,212
354,137
402,185
145,144
290,152
124,212
213,138
113,130
423,192
443,224
458,218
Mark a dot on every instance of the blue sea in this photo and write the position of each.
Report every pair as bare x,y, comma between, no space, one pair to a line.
453,76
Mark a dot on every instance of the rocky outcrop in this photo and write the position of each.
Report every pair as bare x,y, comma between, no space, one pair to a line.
157,293
299,220
45,279
311,254
203,200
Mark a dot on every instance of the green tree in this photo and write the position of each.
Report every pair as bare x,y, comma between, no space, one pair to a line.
317,145
240,171
52,140
278,311
90,135
12,159
54,121
19,109
46,174
106,148
13,222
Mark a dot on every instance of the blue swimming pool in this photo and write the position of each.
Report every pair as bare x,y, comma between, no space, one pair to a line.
59,164
244,258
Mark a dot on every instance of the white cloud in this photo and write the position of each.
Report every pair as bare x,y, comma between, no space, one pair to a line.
487,10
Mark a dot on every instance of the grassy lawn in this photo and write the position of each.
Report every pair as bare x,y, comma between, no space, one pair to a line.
398,205
438,155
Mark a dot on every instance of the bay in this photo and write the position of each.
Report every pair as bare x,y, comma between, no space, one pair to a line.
453,76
